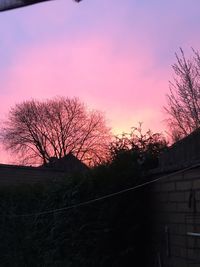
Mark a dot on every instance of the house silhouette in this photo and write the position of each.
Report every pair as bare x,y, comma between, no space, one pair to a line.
68,164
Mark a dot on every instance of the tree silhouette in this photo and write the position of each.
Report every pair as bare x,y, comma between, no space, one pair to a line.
137,149
38,130
183,100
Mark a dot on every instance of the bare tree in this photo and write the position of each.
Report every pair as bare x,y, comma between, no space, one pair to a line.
183,100
38,130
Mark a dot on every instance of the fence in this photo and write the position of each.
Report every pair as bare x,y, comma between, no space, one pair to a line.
11,175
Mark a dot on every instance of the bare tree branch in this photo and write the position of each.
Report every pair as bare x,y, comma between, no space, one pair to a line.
183,100
54,128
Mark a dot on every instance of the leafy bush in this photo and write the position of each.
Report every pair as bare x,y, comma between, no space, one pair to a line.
111,232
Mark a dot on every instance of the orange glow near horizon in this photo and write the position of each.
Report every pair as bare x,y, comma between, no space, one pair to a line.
114,56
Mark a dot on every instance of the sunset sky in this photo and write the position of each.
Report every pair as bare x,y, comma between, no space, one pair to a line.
115,55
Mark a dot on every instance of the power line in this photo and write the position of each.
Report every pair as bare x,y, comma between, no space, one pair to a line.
85,203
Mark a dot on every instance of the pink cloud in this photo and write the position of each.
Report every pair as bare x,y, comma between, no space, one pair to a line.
122,86
115,58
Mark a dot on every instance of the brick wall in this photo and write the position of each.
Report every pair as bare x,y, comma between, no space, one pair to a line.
176,213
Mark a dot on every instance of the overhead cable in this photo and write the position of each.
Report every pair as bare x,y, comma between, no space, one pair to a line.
85,203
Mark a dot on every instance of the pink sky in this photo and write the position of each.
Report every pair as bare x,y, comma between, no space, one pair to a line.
116,56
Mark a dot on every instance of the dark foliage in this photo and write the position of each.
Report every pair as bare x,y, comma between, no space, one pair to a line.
111,232
107,233
137,151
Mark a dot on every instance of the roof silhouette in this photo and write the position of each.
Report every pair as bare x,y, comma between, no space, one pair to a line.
68,163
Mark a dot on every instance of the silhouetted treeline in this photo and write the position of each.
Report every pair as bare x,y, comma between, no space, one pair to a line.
112,232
